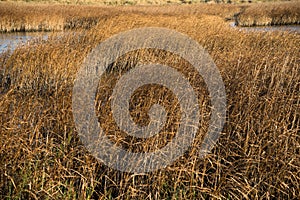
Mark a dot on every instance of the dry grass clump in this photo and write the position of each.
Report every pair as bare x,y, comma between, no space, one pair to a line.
282,13
257,155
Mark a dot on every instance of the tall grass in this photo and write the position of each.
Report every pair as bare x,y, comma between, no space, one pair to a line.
31,17
40,17
257,155
136,2
16,17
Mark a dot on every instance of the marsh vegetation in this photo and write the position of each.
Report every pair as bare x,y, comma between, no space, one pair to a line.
256,157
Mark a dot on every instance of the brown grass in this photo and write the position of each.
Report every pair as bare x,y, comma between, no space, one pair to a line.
135,2
41,17
103,2
282,13
15,17
32,17
257,155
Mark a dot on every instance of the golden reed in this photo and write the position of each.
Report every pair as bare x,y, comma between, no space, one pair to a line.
267,14
257,155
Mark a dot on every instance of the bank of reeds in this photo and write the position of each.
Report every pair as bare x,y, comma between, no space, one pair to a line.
268,14
136,2
40,17
16,17
257,155
108,2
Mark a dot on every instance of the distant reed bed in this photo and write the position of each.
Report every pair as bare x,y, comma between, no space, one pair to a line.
267,14
16,17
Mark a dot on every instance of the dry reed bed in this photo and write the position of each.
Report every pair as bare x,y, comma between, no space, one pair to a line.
256,157
30,17
44,17
107,2
136,2
39,17
281,13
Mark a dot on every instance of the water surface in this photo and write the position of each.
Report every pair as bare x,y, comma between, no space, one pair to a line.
12,40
